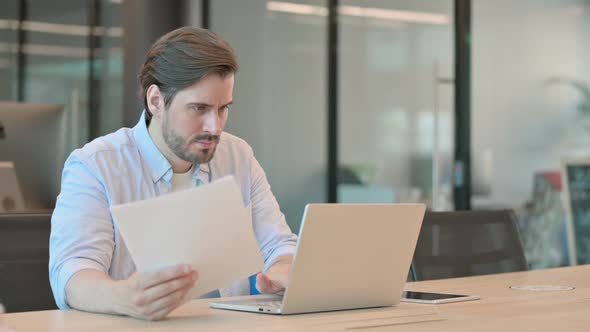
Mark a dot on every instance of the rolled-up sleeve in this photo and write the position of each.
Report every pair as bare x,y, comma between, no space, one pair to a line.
82,235
274,236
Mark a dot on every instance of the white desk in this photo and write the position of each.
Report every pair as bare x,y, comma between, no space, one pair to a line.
500,309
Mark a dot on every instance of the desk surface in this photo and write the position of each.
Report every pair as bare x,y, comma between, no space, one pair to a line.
500,309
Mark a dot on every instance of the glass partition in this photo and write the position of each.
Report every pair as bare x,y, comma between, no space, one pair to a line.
46,58
280,92
531,97
395,132
9,13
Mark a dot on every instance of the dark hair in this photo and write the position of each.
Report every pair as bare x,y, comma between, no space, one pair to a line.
183,57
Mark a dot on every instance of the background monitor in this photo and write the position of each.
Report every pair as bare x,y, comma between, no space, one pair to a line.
11,199
32,136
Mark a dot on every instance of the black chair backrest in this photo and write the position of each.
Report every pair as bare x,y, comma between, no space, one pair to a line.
24,259
468,243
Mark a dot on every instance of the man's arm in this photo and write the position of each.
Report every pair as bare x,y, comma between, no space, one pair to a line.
275,239
148,296
82,234
81,246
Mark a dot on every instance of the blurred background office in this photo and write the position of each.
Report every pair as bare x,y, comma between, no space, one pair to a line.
460,104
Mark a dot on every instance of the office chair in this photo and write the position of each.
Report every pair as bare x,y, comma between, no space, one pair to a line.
24,258
467,243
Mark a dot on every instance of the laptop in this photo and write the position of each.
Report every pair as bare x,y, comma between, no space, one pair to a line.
349,256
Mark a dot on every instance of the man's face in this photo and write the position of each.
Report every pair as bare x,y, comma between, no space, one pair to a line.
192,125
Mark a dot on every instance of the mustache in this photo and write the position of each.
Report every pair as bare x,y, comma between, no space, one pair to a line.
207,137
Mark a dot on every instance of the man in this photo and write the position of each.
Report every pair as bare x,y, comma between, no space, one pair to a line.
187,87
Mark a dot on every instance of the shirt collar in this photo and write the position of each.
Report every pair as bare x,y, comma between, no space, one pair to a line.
157,164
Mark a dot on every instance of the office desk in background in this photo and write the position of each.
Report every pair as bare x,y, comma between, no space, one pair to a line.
500,309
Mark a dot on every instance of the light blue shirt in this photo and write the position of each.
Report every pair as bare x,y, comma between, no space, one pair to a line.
126,166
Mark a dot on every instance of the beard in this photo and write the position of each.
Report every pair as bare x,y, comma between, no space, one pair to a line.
180,145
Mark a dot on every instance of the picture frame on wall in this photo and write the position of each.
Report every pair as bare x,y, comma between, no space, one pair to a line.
576,181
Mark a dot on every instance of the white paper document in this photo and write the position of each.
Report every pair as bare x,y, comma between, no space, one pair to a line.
207,227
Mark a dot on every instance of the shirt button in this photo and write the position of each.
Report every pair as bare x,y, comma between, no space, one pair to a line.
165,189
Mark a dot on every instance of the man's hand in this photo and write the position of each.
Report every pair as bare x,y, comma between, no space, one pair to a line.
275,280
152,295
